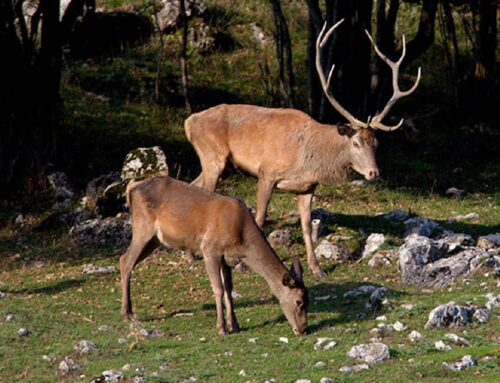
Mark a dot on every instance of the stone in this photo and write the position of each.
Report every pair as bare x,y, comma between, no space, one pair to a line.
258,36
415,335
68,366
142,163
85,347
423,262
110,231
112,376
399,326
138,379
441,346
280,238
64,191
49,358
324,343
370,352
103,328
283,339
2,295
303,381
457,339
381,318
464,217
408,306
455,241
330,251
169,15
201,37
452,315
326,380
320,364
466,362
420,226
360,183
24,332
352,294
396,215
373,244
367,289
454,192
489,241
375,299
379,260
92,269
355,368
9,317
493,301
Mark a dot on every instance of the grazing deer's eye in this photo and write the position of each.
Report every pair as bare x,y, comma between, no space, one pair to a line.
299,303
356,144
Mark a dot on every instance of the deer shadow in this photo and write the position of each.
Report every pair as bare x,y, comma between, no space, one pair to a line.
53,288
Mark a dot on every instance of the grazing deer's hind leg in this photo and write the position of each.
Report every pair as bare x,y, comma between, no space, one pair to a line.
227,281
213,263
264,190
304,202
139,249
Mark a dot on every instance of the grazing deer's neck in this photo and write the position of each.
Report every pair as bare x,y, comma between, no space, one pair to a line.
263,260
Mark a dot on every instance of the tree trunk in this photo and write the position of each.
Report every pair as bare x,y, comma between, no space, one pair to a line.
183,58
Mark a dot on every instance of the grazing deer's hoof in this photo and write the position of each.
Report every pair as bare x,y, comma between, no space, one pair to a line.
320,274
222,332
188,255
235,328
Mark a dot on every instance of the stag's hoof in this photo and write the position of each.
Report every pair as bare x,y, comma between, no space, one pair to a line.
235,328
320,274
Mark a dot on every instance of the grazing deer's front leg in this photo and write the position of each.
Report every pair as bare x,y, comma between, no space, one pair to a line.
139,249
213,263
304,202
227,281
264,190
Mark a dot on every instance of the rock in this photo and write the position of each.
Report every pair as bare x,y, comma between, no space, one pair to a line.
454,192
361,183
104,328
422,262
352,294
381,318
320,364
396,215
420,226
24,332
452,315
169,16
457,339
104,194
85,347
372,244
2,295
122,341
399,326
235,294
466,362
111,376
456,241
283,340
367,289
242,373
464,217
110,231
489,241
481,315
258,36
150,333
201,37
280,238
91,269
441,346
333,252
49,358
303,381
9,317
138,379
324,344
253,340
68,366
326,380
142,163
316,229
379,260
493,301
370,352
415,335
408,306
95,188
64,191
355,368
376,298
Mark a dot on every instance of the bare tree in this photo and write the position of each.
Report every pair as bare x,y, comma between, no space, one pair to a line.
183,56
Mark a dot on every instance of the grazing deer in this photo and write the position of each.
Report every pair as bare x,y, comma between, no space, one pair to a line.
174,213
287,149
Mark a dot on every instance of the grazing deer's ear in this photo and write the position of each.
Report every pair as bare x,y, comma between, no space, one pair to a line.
289,281
345,130
296,270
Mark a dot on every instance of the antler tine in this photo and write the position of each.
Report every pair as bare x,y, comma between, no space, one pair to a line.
376,122
325,82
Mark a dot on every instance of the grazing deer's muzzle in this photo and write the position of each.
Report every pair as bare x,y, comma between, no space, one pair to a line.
371,174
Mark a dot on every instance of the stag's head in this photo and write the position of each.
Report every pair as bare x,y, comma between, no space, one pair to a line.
294,299
362,140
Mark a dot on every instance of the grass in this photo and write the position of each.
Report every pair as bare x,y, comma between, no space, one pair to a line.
62,306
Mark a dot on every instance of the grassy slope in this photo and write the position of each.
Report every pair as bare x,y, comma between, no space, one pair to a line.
108,101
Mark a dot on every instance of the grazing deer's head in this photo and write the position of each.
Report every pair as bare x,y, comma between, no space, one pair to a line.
363,143
294,300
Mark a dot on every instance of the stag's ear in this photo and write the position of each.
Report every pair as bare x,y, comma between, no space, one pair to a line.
289,281
345,130
296,270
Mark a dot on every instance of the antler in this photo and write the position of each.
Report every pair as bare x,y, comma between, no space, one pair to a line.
376,122
325,82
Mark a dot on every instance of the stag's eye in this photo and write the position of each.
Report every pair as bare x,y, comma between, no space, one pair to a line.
299,303
356,144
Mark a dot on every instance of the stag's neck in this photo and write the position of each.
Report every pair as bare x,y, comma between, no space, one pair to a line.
261,258
327,155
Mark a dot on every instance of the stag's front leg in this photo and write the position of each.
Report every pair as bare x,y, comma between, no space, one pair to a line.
227,281
304,202
213,263
264,190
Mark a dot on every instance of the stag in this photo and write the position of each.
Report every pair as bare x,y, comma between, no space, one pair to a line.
288,150
177,214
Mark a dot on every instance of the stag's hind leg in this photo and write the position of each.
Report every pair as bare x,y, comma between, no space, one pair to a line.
227,281
213,262
139,248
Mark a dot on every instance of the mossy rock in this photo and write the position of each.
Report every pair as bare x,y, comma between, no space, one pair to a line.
143,163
